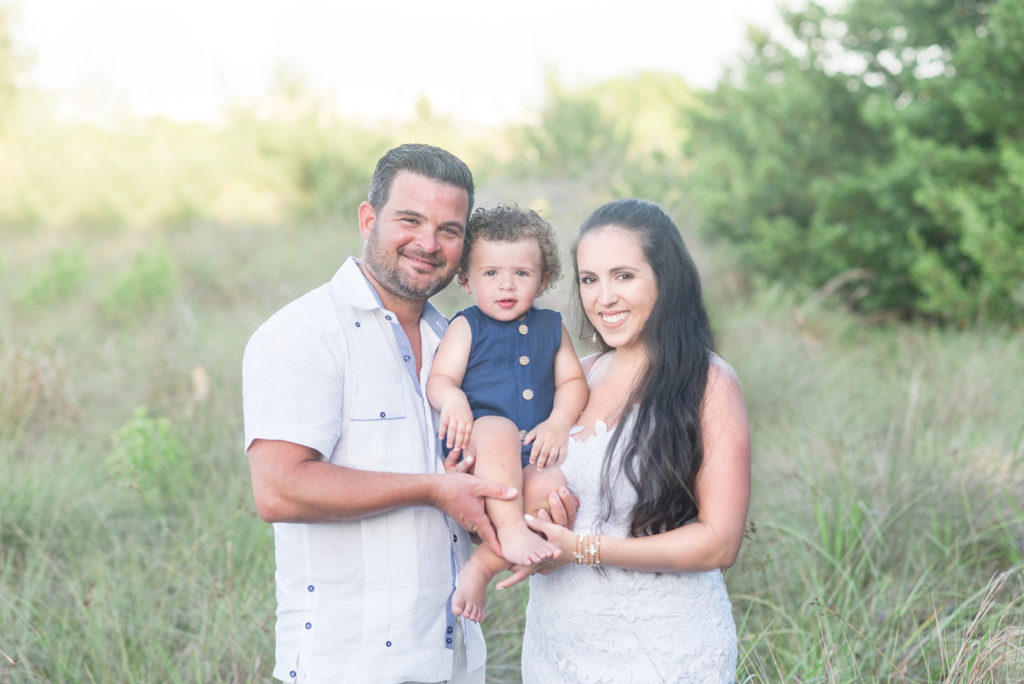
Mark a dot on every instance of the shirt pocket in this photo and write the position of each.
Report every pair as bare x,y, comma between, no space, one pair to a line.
379,431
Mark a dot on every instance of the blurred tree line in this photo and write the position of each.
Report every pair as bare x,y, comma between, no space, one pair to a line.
877,152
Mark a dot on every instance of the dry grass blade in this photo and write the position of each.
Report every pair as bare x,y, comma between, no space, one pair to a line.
990,656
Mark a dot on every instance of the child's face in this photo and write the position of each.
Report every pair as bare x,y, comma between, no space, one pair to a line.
504,277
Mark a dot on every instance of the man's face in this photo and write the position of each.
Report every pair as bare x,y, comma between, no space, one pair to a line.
414,242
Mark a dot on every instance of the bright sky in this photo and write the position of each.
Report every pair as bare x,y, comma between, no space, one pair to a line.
475,60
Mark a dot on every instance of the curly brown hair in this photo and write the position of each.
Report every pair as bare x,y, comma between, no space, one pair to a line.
511,223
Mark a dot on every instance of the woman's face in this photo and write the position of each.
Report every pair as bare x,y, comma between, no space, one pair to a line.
617,284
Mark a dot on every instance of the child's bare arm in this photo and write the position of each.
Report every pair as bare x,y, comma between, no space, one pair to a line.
551,438
444,386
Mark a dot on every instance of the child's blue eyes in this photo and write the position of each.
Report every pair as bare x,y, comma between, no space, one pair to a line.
521,274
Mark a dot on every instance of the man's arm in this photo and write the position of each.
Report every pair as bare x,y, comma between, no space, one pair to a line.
291,484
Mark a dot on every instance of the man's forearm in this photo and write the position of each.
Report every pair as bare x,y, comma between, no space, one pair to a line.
291,484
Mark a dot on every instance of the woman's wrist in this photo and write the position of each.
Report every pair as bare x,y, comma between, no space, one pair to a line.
588,550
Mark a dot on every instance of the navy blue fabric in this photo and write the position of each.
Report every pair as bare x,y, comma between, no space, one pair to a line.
495,379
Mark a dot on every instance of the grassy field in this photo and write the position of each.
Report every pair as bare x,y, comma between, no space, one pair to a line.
887,524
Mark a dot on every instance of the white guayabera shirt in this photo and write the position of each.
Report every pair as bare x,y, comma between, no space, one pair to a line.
362,600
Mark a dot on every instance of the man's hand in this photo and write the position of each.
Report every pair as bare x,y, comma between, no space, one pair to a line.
461,497
452,464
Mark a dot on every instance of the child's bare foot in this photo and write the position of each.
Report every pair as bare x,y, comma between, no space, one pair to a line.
471,590
522,546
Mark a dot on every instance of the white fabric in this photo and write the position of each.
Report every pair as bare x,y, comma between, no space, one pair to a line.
460,672
363,600
614,625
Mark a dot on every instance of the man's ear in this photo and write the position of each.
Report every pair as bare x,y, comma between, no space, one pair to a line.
464,282
367,217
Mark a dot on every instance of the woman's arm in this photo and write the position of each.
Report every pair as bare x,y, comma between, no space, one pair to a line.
713,540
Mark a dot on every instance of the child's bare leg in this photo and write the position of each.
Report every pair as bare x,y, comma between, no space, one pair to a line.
496,444
471,591
538,485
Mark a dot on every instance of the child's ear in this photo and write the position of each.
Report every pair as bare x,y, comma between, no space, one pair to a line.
464,282
542,287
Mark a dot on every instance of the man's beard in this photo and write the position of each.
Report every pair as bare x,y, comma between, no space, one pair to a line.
386,271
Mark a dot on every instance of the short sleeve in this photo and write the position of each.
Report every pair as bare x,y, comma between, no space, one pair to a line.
293,385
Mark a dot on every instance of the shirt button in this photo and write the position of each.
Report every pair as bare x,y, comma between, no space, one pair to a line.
523,328
527,394
309,625
448,640
358,324
455,537
387,318
310,588
292,674
406,357
524,360
381,414
522,435
388,644
449,629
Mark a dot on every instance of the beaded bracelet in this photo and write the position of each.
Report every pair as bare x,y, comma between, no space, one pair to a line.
588,549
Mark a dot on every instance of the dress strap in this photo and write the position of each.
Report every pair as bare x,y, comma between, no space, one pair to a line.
593,366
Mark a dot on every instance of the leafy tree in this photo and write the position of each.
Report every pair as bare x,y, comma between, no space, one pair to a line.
880,146
622,133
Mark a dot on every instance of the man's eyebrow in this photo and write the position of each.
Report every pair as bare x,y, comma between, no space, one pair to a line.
415,214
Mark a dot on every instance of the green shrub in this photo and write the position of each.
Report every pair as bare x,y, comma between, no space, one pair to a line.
59,280
150,458
146,285
880,145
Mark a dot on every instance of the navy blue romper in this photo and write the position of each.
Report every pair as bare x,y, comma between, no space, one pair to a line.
511,368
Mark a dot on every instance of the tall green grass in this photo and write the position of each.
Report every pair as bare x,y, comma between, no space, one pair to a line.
886,528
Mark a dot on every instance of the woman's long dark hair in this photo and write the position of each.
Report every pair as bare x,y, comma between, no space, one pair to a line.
662,455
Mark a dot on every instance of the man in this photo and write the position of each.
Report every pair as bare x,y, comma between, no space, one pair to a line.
369,522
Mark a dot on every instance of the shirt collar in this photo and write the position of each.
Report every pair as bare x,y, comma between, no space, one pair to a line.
362,295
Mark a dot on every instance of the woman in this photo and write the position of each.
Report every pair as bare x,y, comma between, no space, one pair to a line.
661,465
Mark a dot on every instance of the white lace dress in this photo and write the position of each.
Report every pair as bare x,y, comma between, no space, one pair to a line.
585,625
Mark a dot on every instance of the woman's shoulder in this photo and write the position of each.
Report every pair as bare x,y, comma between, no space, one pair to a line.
588,362
722,378
718,367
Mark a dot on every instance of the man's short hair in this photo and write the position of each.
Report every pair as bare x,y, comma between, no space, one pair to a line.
424,160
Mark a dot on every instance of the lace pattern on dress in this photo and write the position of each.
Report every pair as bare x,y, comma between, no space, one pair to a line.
615,625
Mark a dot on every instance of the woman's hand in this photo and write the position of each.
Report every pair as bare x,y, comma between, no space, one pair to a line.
564,539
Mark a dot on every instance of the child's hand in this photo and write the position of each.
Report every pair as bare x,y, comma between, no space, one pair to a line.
550,442
456,423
